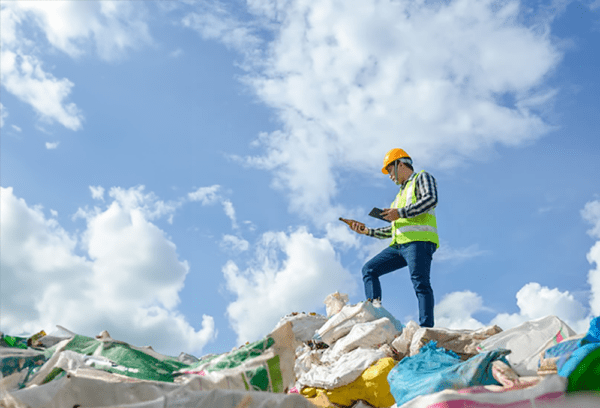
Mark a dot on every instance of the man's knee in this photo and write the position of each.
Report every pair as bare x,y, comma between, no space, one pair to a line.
367,270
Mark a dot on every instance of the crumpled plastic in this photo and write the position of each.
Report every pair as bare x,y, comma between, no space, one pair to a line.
435,369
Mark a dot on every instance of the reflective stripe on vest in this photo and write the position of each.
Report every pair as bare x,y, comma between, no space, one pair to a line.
415,228
423,227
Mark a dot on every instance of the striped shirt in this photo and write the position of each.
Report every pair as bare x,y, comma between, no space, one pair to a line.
426,200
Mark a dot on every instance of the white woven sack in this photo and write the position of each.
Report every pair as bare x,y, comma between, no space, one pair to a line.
340,324
341,372
366,335
527,341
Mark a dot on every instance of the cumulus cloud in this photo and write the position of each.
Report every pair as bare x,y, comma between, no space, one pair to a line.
51,145
290,273
455,310
127,281
113,27
349,80
535,301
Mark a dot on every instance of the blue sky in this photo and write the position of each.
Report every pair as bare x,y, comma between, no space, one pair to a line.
172,172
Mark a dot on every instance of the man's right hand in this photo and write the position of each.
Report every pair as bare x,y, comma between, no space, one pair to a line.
359,227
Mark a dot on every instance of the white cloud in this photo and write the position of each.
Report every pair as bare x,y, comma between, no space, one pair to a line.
148,204
213,21
128,282
271,287
206,195
113,27
455,310
210,195
347,79
535,301
3,114
97,192
236,243
51,145
591,213
230,212
18,129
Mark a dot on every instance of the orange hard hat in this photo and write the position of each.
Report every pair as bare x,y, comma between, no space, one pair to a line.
392,156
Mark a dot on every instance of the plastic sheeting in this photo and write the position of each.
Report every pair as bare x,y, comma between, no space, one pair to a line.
551,389
527,341
435,369
265,365
109,392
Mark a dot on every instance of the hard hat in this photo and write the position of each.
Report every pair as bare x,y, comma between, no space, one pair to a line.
392,156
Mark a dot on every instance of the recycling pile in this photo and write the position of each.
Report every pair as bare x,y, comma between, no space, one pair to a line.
358,356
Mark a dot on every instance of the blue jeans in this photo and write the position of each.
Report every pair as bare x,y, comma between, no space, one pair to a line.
417,256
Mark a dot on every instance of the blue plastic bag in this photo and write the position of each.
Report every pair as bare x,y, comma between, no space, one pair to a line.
435,369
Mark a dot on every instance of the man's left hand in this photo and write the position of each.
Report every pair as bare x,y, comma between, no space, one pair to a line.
390,214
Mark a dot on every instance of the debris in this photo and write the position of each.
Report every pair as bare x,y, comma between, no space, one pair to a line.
360,356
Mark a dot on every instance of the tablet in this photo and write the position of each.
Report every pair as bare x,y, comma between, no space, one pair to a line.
376,213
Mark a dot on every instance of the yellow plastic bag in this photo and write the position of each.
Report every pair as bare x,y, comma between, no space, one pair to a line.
372,386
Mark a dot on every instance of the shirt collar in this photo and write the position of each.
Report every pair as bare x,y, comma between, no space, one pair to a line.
412,176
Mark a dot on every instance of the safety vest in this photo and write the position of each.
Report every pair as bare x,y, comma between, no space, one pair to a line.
423,227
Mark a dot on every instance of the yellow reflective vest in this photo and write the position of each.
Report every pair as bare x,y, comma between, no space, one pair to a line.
423,227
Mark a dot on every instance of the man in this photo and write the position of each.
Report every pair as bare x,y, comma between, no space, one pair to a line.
413,231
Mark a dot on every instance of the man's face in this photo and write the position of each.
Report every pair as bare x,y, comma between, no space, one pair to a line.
391,172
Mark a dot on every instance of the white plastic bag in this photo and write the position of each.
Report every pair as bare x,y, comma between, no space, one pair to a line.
527,341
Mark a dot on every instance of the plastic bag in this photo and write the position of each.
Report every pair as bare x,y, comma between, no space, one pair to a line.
527,341
435,369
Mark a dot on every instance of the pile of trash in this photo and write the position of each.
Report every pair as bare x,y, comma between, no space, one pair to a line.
357,356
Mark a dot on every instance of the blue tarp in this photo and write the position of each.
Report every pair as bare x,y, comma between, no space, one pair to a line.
435,369
571,360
